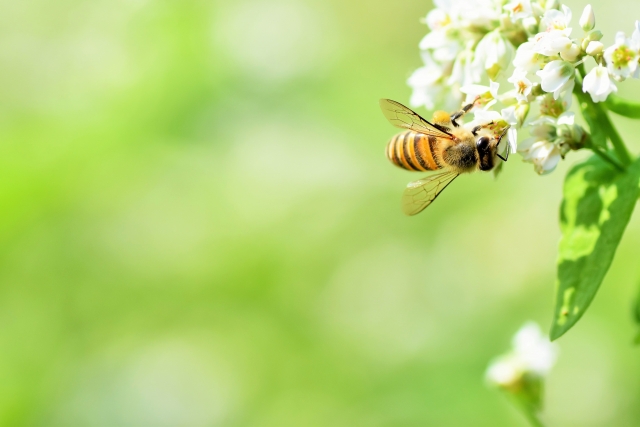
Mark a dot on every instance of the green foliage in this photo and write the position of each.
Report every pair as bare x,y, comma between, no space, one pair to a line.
636,317
528,398
598,202
623,107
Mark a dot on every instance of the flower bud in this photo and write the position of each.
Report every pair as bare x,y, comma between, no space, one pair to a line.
530,24
552,4
571,137
522,109
578,137
594,35
536,90
538,10
505,21
570,54
564,133
594,48
588,19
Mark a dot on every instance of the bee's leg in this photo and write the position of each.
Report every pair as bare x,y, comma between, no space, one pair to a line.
476,129
508,150
458,114
507,155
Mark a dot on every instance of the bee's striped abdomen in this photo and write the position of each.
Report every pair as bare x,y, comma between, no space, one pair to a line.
413,151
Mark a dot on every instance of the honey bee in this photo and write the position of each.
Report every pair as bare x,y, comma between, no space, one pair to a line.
441,145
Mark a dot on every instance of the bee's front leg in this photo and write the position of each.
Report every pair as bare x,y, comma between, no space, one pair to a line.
458,114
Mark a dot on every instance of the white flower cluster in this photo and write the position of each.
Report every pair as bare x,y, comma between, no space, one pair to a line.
531,45
531,358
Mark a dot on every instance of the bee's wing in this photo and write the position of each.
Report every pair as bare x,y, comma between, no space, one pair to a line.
419,194
403,117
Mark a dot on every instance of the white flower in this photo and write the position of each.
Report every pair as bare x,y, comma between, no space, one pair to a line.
513,115
426,83
598,84
530,25
551,107
555,77
527,58
482,94
556,20
534,349
588,19
477,13
539,150
484,117
437,19
506,371
594,48
566,118
566,93
544,155
463,72
444,48
622,57
521,83
542,148
532,355
552,43
570,52
518,9
494,53
635,36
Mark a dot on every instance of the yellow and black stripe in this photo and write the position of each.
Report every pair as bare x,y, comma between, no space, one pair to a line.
413,151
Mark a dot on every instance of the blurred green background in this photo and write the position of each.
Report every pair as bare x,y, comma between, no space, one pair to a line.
199,227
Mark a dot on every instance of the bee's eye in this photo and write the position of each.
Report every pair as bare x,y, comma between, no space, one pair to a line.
482,143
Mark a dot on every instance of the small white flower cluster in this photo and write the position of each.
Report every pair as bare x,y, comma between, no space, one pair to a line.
531,358
531,43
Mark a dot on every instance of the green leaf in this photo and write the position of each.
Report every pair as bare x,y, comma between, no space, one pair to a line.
623,107
598,202
636,317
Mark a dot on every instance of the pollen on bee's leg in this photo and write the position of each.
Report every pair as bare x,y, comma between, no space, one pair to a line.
441,117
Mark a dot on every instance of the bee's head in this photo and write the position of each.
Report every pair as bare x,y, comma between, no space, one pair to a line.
487,149
486,153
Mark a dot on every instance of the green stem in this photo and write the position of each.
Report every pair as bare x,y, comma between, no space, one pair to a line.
623,107
600,125
534,419
590,115
526,403
607,158
614,136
